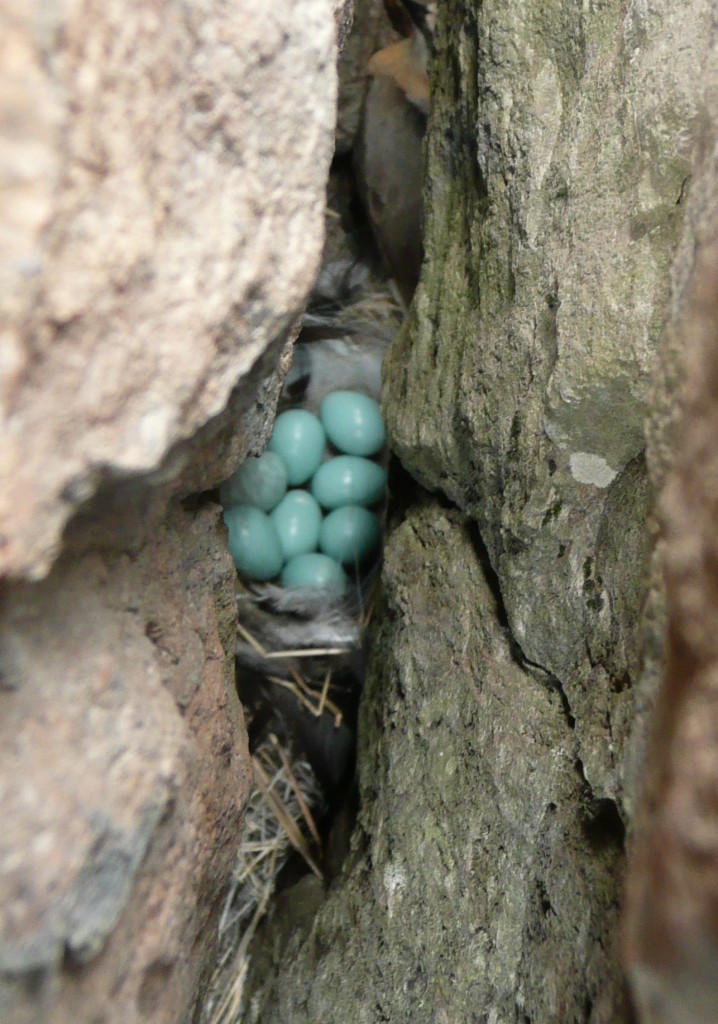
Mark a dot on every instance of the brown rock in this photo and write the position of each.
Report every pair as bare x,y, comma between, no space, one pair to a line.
124,773
162,177
671,927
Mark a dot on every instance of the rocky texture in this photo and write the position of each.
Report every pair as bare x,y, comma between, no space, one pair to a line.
344,19
671,917
123,769
163,168
370,29
464,888
167,197
521,387
486,869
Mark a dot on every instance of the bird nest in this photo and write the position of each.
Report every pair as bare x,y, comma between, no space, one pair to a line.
280,817
285,806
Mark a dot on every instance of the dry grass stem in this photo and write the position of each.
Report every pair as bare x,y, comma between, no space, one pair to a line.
281,814
325,694
284,817
303,806
253,643
305,694
308,652
264,848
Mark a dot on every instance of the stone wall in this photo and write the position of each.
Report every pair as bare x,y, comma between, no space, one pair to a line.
162,169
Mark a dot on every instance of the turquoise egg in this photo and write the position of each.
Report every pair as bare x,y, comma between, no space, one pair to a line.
353,422
261,482
349,534
297,518
314,570
253,542
348,480
299,439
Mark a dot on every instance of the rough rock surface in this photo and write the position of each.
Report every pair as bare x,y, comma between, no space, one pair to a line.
671,930
166,196
370,29
470,852
524,381
162,170
123,774
486,871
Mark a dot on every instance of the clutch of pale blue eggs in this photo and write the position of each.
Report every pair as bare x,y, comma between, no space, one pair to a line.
305,524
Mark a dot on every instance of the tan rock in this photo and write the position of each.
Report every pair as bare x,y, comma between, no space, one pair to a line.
671,918
124,771
166,195
162,178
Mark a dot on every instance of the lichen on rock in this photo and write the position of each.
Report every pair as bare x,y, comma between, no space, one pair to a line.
498,750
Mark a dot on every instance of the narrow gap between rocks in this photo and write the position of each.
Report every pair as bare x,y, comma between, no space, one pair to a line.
301,652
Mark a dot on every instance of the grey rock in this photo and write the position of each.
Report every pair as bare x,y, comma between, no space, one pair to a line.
504,725
524,371
462,884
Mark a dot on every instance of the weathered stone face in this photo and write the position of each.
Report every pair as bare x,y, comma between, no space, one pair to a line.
370,28
557,164
470,854
500,716
123,773
163,169
167,199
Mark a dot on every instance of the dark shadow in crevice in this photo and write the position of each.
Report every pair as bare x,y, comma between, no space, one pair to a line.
404,494
605,828
515,649
603,824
